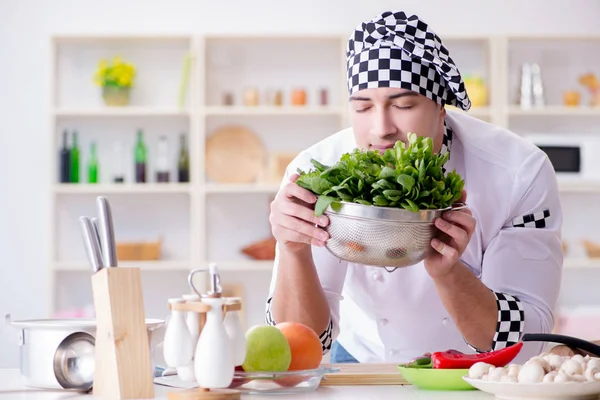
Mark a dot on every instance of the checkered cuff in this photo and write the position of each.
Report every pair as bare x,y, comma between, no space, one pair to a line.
534,220
511,322
326,336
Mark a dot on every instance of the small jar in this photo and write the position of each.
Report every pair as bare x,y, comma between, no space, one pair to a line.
323,97
571,98
251,97
298,97
227,99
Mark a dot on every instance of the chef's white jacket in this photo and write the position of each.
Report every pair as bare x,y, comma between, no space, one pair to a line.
516,251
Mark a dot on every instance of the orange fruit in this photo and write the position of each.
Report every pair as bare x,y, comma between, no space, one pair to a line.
304,343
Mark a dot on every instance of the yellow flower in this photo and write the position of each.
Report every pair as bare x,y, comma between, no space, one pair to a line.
118,73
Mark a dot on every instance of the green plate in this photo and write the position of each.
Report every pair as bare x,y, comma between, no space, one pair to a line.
436,379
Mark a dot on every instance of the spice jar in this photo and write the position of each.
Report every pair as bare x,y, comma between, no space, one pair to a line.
251,97
298,97
571,98
274,97
323,97
227,99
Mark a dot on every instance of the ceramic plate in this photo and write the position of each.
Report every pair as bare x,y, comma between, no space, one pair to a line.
534,391
436,379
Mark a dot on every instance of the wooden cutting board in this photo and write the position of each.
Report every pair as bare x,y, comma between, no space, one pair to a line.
363,374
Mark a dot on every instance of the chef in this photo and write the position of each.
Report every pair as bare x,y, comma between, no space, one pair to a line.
498,274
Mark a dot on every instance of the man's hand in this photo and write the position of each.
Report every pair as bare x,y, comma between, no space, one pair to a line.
457,228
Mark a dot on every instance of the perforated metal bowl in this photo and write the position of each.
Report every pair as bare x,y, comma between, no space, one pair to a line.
381,236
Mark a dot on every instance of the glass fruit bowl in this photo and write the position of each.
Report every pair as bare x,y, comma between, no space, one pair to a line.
279,382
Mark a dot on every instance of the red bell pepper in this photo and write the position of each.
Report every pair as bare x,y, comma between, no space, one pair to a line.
453,359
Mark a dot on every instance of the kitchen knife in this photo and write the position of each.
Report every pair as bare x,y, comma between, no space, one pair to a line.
90,241
97,231
107,234
572,342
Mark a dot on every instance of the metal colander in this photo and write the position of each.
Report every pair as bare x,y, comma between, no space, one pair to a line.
381,236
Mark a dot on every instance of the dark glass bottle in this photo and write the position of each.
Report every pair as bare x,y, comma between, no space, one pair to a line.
141,156
64,160
183,163
74,158
93,165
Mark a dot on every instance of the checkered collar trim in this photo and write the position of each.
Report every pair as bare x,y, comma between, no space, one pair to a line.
393,50
446,143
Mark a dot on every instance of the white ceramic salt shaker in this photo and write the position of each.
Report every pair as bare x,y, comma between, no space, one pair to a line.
213,361
236,333
178,348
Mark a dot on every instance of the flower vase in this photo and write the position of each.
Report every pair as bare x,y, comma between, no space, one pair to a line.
115,95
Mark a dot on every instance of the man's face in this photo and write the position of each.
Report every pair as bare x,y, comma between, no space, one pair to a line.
381,116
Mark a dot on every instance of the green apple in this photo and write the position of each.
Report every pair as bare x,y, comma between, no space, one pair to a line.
267,349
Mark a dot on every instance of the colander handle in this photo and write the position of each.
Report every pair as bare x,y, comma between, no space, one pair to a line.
458,206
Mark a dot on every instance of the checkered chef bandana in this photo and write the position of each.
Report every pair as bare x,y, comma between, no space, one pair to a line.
394,50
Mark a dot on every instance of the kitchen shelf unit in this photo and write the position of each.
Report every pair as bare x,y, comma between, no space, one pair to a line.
213,72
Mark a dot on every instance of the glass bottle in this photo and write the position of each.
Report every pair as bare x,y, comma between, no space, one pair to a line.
93,165
64,160
74,158
183,163
141,154
118,169
162,161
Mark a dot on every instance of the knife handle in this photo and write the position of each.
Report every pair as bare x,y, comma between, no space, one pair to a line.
569,341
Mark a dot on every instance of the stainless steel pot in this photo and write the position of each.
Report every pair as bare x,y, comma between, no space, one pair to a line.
59,353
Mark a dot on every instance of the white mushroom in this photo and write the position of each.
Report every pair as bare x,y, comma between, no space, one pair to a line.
541,361
580,359
592,369
479,370
496,374
531,373
562,377
549,377
572,367
555,361
513,370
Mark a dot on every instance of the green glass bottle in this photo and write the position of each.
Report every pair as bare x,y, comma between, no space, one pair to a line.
74,157
141,155
183,163
93,165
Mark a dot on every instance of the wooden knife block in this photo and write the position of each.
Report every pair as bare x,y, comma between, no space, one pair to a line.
122,352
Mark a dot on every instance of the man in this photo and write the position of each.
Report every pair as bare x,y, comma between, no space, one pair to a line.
498,274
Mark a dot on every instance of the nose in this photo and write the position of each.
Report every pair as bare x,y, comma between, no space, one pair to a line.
381,124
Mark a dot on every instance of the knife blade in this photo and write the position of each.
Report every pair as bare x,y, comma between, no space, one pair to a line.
90,242
107,234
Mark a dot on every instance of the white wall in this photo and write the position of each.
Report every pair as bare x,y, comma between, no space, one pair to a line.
25,27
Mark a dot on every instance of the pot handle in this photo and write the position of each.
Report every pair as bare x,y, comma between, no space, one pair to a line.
458,206
8,319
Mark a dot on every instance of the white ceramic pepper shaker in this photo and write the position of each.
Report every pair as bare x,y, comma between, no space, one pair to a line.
178,348
236,333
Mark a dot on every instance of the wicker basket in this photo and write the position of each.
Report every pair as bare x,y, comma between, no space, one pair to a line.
592,249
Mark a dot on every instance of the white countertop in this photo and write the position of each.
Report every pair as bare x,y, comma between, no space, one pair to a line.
12,388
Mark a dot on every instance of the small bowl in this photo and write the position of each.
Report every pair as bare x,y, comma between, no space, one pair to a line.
279,382
436,379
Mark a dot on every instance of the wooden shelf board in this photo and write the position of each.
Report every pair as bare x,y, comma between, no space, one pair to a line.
273,110
160,265
581,263
244,265
127,111
216,188
555,111
140,188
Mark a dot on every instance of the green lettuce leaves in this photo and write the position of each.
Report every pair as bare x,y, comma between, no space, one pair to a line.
405,176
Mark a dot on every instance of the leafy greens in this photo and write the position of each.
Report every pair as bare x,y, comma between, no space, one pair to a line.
409,177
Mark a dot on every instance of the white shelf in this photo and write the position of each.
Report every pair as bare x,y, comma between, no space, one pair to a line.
478,112
561,111
140,188
245,265
274,110
579,186
581,263
241,188
161,265
127,111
